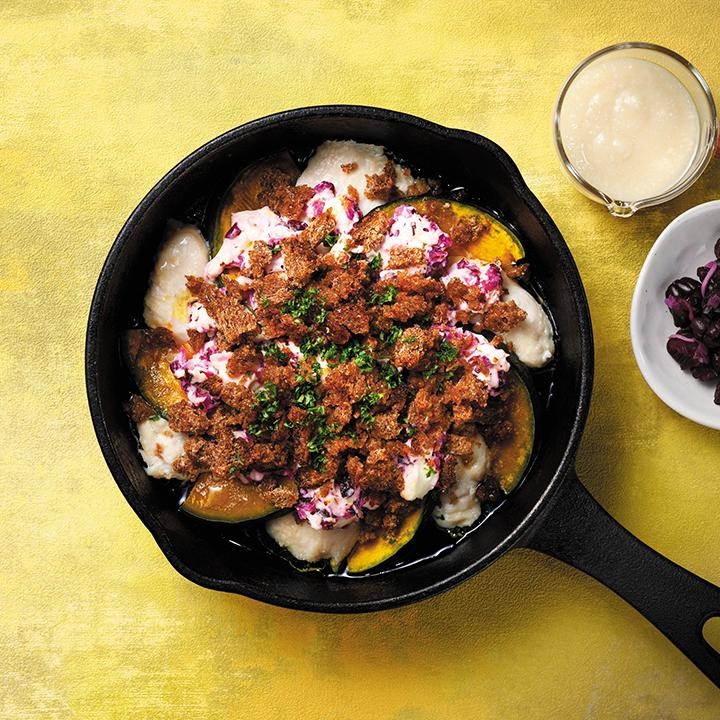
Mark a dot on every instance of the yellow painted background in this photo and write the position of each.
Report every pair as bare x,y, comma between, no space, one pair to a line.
97,101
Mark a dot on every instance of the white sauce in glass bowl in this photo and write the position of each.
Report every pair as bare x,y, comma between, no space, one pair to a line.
629,127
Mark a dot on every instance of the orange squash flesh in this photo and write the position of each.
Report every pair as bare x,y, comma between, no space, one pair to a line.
367,555
509,457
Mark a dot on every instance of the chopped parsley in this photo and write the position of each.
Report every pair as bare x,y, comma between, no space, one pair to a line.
447,352
336,354
365,405
386,297
316,446
448,377
312,346
363,359
273,350
306,397
237,464
390,374
330,238
306,305
267,405
376,263
391,336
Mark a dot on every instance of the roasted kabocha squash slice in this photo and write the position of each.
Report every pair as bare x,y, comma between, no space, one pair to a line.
510,456
148,354
244,193
226,500
370,553
476,233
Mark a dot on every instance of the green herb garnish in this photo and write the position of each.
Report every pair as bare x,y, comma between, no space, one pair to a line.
306,305
447,352
390,374
365,405
273,350
236,465
266,404
386,297
391,336
364,360
330,239
316,445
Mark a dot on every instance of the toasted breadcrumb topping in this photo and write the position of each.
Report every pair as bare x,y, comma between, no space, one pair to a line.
338,368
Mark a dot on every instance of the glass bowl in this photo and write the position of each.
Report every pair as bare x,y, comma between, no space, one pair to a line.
700,96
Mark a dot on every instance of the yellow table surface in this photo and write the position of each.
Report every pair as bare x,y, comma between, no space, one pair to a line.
97,101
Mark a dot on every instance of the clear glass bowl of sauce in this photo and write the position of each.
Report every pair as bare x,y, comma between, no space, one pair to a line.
634,125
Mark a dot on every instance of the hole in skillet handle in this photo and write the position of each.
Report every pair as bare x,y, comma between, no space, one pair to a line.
711,632
684,607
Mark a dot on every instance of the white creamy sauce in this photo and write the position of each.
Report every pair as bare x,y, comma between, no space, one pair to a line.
311,545
160,446
360,159
185,252
248,227
419,478
458,505
532,339
629,127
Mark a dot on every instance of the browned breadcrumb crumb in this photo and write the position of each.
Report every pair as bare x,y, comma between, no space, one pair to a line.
419,187
282,196
501,316
382,185
234,320
185,418
349,167
469,231
518,270
370,233
139,410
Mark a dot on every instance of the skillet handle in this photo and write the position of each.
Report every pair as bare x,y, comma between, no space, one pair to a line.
578,531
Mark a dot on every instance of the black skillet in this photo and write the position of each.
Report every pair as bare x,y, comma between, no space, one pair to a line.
550,511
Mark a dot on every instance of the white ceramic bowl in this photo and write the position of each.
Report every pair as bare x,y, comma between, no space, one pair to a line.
685,244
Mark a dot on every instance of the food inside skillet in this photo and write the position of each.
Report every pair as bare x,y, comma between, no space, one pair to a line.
337,361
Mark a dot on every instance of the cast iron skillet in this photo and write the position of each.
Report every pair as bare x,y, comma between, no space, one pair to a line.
550,511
